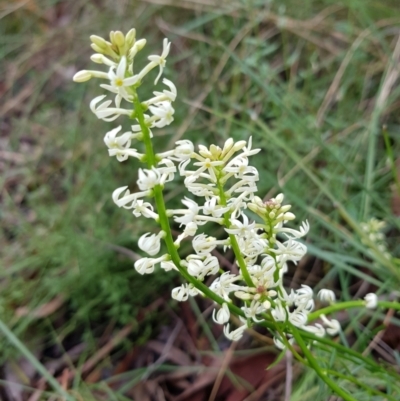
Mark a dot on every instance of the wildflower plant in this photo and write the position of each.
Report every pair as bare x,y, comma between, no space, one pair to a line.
222,188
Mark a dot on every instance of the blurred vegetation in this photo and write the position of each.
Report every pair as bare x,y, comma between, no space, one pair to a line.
315,85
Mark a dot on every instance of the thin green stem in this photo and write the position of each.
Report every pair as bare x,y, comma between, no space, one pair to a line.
163,217
352,379
284,339
334,308
314,364
389,305
348,353
233,240
350,304
150,156
35,363
389,152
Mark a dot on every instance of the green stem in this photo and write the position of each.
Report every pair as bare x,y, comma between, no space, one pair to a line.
348,353
347,305
389,305
314,364
150,156
233,240
163,217
285,340
389,152
334,308
360,384
35,363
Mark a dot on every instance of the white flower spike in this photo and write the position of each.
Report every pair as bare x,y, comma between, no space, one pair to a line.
223,185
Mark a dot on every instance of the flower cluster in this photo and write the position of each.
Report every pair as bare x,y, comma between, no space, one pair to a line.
226,182
223,187
118,54
373,229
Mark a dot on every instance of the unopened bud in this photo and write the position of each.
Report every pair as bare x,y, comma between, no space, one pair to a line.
140,44
371,301
327,295
100,59
242,295
239,145
130,37
289,216
266,304
119,38
227,146
112,36
97,40
82,76
285,208
97,48
97,58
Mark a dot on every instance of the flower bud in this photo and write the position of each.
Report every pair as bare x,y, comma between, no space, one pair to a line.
98,41
327,295
239,145
266,305
227,146
100,59
242,295
96,48
82,76
112,33
130,37
371,301
288,216
139,44
119,38
97,58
